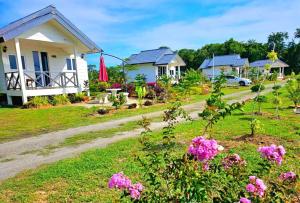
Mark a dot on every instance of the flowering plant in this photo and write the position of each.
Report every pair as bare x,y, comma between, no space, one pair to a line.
256,186
120,181
273,153
232,161
288,177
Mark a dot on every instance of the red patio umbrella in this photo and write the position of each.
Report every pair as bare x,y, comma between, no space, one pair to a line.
103,77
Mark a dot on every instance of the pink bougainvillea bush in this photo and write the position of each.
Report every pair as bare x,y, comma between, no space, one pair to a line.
245,200
189,179
256,186
273,153
120,181
288,176
232,161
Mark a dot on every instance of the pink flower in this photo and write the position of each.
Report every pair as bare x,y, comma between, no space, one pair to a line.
256,186
233,160
120,181
250,188
134,194
288,176
135,190
245,200
272,153
252,179
203,149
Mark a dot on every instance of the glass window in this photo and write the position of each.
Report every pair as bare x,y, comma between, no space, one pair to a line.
69,64
23,62
36,61
74,64
12,61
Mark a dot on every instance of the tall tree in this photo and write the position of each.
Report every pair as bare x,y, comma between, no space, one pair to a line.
279,38
297,33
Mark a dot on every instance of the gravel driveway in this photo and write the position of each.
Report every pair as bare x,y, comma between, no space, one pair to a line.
15,157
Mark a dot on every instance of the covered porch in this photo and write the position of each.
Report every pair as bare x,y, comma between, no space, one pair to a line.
36,68
173,72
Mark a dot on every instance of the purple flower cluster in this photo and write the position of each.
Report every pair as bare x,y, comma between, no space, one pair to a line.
120,181
256,186
245,200
233,160
203,149
288,176
273,153
135,190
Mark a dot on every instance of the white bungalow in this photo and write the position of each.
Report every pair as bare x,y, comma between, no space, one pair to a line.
277,66
229,64
155,63
43,54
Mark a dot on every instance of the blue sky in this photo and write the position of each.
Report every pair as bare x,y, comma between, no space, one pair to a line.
123,27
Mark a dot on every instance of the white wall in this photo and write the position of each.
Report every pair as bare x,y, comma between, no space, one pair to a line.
48,32
208,72
56,64
147,69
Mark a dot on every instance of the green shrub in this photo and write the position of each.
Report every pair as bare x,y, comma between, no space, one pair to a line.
96,86
37,102
258,87
78,97
118,101
61,99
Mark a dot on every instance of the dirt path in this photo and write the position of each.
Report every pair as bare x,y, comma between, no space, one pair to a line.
15,157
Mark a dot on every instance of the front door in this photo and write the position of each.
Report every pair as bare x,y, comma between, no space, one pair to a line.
45,68
41,68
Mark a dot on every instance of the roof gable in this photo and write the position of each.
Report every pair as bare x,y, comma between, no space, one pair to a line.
159,56
42,16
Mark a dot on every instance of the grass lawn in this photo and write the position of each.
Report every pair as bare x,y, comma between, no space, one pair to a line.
17,123
84,178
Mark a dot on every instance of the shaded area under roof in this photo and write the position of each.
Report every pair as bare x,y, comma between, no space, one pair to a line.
44,15
262,63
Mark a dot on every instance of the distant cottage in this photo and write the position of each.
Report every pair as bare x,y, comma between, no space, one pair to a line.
227,63
155,63
277,66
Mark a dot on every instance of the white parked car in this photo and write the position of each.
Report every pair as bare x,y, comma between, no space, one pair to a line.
237,80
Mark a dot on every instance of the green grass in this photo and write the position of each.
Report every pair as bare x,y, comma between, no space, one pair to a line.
84,178
87,137
16,123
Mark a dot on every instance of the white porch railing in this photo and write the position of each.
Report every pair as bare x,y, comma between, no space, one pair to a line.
41,80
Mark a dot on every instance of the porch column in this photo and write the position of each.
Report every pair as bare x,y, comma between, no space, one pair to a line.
75,57
167,70
179,72
20,70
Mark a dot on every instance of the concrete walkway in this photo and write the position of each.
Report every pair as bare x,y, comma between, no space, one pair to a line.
18,159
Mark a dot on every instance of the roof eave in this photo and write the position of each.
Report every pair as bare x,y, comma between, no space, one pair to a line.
46,15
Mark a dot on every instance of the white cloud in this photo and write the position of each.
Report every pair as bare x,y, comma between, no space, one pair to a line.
251,21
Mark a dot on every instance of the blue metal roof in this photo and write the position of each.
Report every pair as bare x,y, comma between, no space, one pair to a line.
225,60
166,59
159,56
20,26
262,63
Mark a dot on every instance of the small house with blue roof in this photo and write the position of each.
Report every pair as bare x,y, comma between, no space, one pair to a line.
276,66
155,63
43,54
229,64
